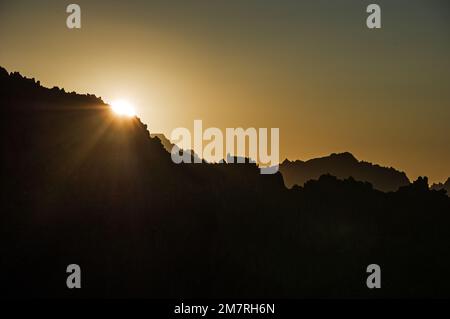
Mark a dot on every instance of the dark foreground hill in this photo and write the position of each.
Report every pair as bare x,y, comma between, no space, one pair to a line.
82,186
343,165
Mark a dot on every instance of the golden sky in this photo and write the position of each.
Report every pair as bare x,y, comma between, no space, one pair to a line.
311,68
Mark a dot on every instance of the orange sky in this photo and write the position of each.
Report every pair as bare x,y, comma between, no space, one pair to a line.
311,68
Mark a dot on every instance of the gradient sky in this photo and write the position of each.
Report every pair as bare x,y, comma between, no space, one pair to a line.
311,68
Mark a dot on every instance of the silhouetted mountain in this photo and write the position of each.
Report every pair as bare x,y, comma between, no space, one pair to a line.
439,186
168,146
164,141
343,165
81,185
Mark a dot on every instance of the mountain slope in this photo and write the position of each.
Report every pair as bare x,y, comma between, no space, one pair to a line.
80,185
343,165
440,186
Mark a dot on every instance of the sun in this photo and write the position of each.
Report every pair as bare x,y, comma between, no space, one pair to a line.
123,108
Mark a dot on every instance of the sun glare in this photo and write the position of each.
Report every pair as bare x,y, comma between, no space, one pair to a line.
123,108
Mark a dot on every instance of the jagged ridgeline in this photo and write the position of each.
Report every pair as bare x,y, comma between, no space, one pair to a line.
343,165
81,185
445,186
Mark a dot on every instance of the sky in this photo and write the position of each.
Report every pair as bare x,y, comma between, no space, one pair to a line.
310,68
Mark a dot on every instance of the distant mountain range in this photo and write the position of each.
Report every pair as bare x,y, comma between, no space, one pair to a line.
342,165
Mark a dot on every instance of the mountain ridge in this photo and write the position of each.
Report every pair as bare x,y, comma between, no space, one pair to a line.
439,186
82,185
342,165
